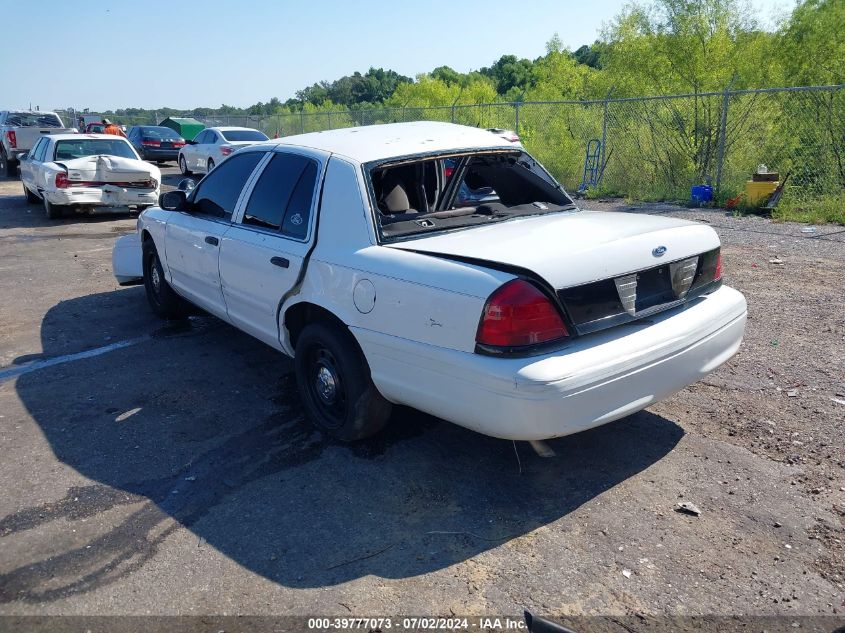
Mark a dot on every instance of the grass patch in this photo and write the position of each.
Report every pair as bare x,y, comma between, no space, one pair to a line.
821,209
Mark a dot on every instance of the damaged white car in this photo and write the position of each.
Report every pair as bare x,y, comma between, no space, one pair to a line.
515,313
88,173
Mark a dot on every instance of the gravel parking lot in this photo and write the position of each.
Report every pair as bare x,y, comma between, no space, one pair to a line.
167,469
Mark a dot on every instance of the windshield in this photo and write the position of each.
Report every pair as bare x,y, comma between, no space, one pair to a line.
68,150
243,135
160,133
449,192
33,119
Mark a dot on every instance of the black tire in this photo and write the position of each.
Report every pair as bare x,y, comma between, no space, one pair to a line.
183,167
53,211
163,300
31,198
335,385
209,165
10,166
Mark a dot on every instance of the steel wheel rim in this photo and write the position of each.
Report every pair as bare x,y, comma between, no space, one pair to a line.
326,386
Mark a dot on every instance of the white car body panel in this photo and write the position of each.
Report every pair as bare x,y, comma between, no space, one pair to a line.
126,259
554,246
415,315
598,379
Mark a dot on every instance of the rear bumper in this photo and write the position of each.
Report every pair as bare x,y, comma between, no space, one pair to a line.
597,379
108,196
159,154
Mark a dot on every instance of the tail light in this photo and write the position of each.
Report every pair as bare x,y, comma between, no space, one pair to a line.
448,171
717,275
226,150
518,314
13,139
178,143
150,143
61,180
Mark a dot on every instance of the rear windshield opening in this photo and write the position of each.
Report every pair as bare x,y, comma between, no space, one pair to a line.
69,150
244,135
451,192
32,119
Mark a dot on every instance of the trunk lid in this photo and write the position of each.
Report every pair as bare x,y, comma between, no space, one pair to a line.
109,169
571,249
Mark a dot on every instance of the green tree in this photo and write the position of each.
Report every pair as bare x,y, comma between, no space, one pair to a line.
812,43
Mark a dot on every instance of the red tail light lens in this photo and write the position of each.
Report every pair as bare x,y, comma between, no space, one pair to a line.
13,139
718,274
150,143
178,143
226,150
61,180
519,314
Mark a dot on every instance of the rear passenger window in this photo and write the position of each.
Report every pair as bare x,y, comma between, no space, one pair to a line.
282,196
218,192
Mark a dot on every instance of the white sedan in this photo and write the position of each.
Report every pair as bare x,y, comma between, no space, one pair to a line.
519,316
213,144
88,172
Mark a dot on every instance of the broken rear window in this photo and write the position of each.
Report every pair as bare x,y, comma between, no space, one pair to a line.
441,193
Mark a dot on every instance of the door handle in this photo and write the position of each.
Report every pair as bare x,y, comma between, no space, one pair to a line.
281,262
211,240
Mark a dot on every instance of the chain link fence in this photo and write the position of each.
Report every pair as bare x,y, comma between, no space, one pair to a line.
652,148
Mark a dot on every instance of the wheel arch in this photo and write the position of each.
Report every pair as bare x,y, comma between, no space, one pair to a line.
296,316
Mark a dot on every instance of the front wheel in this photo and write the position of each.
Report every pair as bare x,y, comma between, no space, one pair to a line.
335,385
163,300
183,166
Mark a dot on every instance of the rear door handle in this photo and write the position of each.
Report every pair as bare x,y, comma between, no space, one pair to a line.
281,262
211,240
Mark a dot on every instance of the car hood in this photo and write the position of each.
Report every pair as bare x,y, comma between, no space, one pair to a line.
105,168
572,248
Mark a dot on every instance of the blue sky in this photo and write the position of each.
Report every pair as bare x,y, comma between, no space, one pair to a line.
182,54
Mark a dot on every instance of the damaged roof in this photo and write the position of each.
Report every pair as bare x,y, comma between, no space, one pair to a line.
391,140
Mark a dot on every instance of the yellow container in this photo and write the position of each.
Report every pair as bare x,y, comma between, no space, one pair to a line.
759,192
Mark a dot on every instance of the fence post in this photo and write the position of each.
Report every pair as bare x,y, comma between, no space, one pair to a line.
604,129
301,122
330,119
516,107
723,130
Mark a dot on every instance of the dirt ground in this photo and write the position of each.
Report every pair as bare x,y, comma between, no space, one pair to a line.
167,469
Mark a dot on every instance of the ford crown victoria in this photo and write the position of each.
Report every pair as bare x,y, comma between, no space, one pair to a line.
515,314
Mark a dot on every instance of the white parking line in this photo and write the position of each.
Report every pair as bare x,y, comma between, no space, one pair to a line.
17,370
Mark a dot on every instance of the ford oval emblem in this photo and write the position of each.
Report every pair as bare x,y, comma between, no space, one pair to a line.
660,251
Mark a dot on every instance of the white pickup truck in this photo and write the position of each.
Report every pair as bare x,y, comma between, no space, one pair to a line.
517,315
20,131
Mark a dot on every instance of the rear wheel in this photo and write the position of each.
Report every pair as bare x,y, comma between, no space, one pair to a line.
9,166
53,211
31,198
163,300
210,165
335,385
183,166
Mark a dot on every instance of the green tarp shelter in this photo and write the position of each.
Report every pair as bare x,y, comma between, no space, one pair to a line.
185,127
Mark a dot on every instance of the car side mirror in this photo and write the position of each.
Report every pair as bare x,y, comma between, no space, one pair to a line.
187,185
173,201
24,156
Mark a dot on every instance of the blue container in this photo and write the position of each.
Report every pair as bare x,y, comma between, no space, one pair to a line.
700,194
